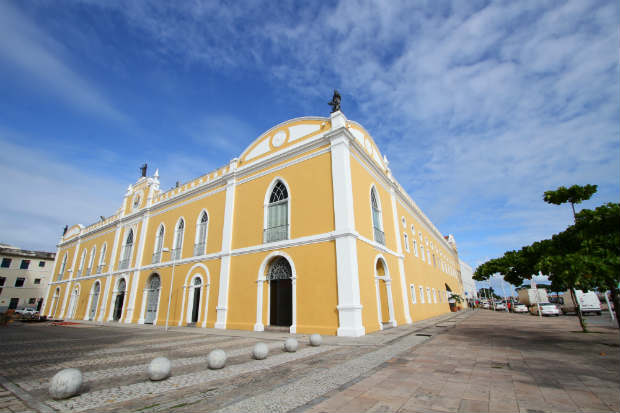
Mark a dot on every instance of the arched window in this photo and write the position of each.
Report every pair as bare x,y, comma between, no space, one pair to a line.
91,260
376,217
82,259
277,214
126,257
62,268
101,259
178,240
159,243
201,235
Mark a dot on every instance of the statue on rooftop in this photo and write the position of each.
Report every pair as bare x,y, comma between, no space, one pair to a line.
335,103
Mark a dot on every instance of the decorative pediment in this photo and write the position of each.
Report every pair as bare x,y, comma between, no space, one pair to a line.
284,135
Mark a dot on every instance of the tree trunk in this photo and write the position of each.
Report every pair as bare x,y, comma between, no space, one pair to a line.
615,299
578,311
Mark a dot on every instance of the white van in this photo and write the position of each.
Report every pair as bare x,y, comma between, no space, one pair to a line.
588,301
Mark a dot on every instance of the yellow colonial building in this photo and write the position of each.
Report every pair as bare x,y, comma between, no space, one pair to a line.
306,230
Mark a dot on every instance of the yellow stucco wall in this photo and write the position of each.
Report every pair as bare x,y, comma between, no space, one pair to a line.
310,198
317,288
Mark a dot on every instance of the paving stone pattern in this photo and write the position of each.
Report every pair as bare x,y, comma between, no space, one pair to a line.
473,362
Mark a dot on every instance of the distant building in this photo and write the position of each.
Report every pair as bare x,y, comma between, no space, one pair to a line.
469,286
24,276
307,230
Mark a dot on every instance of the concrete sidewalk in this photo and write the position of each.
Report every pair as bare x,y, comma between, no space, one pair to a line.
493,362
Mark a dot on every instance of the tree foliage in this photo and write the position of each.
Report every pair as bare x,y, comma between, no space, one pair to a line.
575,194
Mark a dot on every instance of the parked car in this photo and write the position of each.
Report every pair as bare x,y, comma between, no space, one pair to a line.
546,309
486,305
519,308
30,311
588,302
500,306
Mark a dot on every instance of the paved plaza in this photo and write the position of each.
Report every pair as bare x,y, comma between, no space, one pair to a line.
471,361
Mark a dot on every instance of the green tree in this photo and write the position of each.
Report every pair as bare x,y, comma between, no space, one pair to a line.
585,256
488,293
574,195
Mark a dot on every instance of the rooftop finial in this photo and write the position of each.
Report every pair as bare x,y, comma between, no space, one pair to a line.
143,170
335,103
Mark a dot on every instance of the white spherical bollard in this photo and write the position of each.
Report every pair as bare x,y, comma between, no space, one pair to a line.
216,359
260,351
316,340
159,369
290,345
65,383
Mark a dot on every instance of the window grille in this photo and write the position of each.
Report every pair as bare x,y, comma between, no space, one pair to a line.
277,214
280,269
201,242
376,218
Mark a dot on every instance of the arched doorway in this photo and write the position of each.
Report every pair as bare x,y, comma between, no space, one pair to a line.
54,303
120,299
73,302
280,293
383,285
195,300
94,300
152,298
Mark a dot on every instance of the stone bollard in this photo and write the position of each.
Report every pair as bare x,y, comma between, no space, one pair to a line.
216,359
316,340
159,369
290,345
65,383
260,351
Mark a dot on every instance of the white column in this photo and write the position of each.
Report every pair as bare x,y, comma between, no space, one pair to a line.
293,328
206,309
135,279
388,289
349,307
49,284
71,275
259,306
401,260
222,300
183,315
109,278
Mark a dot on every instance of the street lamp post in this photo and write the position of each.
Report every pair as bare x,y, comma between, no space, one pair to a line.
171,284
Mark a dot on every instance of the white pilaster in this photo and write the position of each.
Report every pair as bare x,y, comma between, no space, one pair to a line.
69,283
349,307
388,289
135,279
222,300
259,326
49,284
401,259
109,278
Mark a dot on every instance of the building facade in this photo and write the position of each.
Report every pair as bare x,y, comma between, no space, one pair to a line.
469,285
307,230
24,277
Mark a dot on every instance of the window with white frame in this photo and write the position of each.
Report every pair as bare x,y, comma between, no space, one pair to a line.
201,238
127,249
421,288
91,260
428,295
422,251
63,266
376,217
178,240
101,259
415,246
413,297
82,259
159,244
406,240
402,219
276,227
434,296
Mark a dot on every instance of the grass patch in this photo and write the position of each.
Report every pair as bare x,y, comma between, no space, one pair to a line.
178,405
147,407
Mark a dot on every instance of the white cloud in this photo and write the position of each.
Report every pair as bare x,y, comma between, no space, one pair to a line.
42,194
24,46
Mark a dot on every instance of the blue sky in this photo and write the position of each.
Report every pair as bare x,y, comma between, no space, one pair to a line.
479,106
